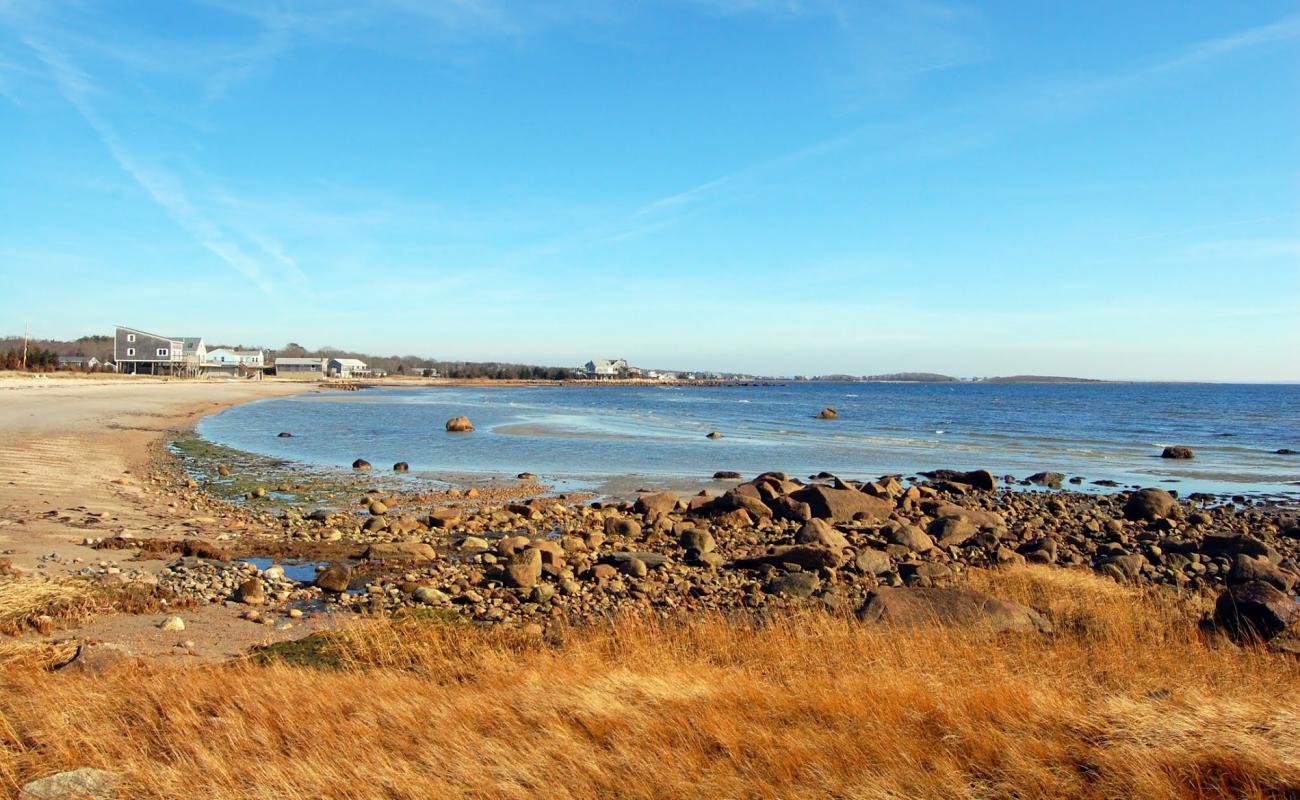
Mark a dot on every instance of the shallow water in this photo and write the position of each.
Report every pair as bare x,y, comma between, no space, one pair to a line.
589,433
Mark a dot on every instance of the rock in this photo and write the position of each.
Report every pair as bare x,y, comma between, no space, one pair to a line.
952,531
1050,479
651,560
873,562
319,515
223,470
950,608
1255,612
1177,451
400,551
713,435
976,478
443,517
842,505
1285,451
524,569
361,464
97,657
655,503
401,466
334,578
378,509
459,425
251,592
808,556
1149,505
819,531
526,476
78,784
284,435
911,537
828,413
634,567
470,543
793,584
430,596
737,500
726,475
1247,568
172,624
698,540
617,526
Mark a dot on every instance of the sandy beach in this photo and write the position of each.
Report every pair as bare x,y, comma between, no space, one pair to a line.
74,458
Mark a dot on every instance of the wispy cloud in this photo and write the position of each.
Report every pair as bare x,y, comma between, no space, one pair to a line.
1285,250
941,133
163,187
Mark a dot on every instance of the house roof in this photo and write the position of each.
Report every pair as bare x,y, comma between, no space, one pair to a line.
349,362
296,360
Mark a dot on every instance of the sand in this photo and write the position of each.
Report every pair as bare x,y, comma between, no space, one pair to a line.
64,444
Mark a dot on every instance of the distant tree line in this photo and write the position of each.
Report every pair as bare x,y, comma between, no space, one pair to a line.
39,359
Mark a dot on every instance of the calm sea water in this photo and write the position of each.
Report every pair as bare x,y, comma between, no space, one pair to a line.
585,433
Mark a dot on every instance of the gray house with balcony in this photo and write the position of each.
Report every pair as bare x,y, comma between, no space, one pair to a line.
138,352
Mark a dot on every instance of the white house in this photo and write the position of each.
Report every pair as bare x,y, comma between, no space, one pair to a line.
347,368
603,368
227,357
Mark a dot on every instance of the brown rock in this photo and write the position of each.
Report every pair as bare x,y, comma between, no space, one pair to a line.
819,531
955,608
828,413
842,505
655,503
459,425
400,551
523,569
334,578
1255,612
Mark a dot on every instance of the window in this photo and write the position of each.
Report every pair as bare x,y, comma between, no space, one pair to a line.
163,351
130,351
130,337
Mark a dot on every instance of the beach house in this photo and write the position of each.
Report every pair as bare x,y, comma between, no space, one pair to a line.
348,368
138,352
228,361
601,368
310,369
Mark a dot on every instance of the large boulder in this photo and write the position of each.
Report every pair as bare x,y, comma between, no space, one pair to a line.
1050,479
842,505
251,592
524,568
1255,612
911,537
949,608
828,413
976,478
334,578
819,531
459,425
655,503
1178,451
1149,505
361,464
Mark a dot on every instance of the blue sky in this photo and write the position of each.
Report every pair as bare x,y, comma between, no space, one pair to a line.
778,186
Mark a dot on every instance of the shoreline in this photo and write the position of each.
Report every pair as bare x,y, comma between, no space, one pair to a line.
450,535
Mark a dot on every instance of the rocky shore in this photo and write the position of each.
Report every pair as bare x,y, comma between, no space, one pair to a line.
517,555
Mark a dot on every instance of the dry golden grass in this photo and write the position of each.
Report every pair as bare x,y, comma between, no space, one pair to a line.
41,603
1124,702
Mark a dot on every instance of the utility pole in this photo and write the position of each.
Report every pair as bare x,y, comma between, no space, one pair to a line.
24,345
